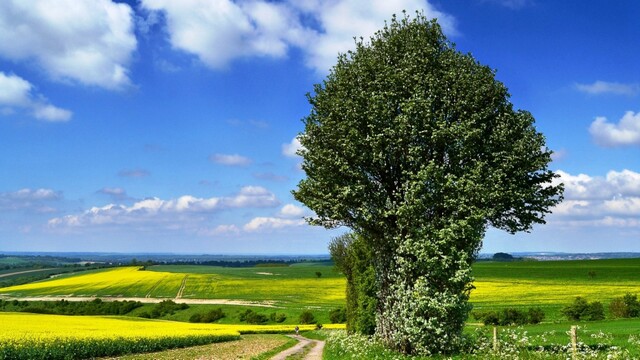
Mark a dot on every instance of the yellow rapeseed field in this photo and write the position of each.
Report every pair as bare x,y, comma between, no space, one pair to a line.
510,292
28,336
16,326
111,282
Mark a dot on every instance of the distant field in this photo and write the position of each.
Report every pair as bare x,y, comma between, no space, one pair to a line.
282,286
553,284
549,284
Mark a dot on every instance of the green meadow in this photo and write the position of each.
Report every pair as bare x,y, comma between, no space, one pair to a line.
521,284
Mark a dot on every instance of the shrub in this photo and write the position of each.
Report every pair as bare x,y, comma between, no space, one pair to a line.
251,317
581,309
306,317
278,317
536,315
338,316
487,317
213,315
511,316
595,311
632,304
196,318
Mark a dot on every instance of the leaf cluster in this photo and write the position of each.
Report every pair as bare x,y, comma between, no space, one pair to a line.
581,309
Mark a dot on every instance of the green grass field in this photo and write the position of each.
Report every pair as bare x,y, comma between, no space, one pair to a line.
550,285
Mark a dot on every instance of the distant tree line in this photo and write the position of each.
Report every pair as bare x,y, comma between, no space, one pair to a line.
20,279
64,307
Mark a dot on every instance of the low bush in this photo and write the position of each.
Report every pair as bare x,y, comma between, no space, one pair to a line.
338,316
581,309
306,317
251,317
510,316
626,306
278,317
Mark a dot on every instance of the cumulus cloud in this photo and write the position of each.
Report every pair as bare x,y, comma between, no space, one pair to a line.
624,133
172,211
290,210
291,149
29,199
220,31
269,223
16,92
84,41
611,200
115,193
604,87
230,159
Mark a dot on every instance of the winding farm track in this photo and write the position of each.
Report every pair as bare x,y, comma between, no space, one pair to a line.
182,286
314,354
143,300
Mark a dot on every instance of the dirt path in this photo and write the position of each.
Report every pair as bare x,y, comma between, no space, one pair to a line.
24,272
143,300
182,286
314,354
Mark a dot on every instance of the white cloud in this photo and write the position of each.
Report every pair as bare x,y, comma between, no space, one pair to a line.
29,199
612,200
230,159
268,223
291,211
88,41
291,149
174,211
625,133
16,92
604,87
341,21
115,193
220,31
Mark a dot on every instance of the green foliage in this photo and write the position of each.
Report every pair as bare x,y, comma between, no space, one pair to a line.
581,309
318,274
166,307
306,317
354,258
63,307
510,316
626,306
416,147
536,315
208,317
278,317
251,317
338,316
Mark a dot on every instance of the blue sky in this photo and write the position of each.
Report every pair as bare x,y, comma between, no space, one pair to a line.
169,126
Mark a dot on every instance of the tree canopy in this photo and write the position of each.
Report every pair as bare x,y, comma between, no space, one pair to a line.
417,148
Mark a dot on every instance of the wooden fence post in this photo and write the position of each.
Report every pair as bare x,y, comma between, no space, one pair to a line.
495,339
574,341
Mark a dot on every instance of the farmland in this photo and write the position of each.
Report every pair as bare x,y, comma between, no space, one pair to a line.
289,290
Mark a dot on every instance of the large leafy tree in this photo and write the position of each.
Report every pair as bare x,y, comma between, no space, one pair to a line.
416,147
